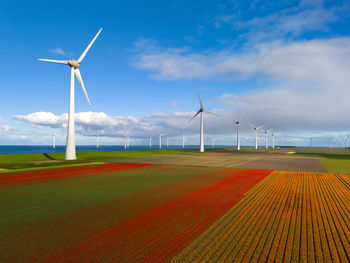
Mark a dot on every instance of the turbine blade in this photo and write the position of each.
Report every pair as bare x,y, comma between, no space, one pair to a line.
259,127
252,125
195,115
89,46
200,100
65,62
241,117
210,112
77,73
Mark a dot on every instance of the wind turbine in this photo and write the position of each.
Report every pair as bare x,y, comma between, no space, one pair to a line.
160,140
256,129
54,140
183,140
310,142
330,142
212,142
347,142
97,144
238,125
201,110
167,142
125,141
266,132
74,66
273,139
129,140
150,141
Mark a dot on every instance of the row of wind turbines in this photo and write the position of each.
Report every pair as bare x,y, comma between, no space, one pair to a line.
70,142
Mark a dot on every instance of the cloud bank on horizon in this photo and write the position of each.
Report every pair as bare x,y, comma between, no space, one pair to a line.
293,61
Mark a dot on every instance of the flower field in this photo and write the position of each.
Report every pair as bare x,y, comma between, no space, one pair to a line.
289,217
114,212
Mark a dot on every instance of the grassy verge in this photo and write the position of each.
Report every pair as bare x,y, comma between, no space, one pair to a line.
17,162
333,162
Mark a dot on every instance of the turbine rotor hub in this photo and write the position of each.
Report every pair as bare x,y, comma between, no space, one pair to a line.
73,63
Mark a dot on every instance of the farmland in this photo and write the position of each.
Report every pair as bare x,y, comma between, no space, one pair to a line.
177,206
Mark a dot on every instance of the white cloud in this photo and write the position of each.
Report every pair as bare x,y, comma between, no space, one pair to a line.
315,60
57,51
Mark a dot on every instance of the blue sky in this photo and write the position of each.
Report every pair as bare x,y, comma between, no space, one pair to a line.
285,65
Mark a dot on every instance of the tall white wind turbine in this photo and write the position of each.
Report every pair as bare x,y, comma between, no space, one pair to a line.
347,142
256,129
238,123
183,140
74,66
201,110
54,140
273,139
266,132
160,140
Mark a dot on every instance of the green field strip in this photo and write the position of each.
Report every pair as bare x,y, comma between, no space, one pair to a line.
48,167
132,187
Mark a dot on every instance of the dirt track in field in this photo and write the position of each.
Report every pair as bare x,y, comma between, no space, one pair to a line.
242,160
288,217
284,164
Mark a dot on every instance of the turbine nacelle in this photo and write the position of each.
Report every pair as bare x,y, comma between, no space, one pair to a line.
73,63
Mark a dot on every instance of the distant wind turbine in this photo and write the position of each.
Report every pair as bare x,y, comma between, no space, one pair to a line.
150,141
183,140
167,142
129,140
212,142
256,129
97,142
160,140
201,110
74,65
273,139
54,140
266,132
347,142
238,123
310,142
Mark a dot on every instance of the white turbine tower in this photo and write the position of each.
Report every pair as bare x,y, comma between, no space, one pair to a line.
273,139
74,66
97,142
167,142
310,142
150,141
256,129
160,140
212,142
54,140
266,132
347,142
125,140
201,110
238,123
129,140
183,140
